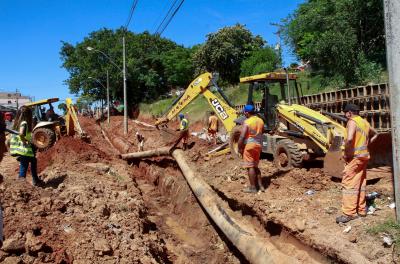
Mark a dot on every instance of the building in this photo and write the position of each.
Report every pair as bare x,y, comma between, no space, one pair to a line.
12,100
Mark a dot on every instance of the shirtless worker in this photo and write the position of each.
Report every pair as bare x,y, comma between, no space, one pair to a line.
359,135
213,127
250,146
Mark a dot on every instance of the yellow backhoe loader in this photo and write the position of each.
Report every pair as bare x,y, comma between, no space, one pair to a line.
293,133
48,126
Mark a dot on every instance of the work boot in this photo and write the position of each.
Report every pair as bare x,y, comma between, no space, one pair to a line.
345,218
38,183
250,189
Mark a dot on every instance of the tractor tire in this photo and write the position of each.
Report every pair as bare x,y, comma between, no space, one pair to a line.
233,142
287,155
43,138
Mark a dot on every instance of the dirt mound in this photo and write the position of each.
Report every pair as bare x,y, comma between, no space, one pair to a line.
69,150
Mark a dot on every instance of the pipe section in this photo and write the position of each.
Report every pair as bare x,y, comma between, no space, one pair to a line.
255,248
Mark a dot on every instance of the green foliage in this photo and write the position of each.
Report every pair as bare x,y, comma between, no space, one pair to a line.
390,227
62,107
154,64
84,102
259,61
178,66
343,39
225,50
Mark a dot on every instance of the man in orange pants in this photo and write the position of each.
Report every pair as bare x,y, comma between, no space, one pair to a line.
250,146
359,135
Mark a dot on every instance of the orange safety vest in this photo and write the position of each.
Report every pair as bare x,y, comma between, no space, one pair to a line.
255,132
361,138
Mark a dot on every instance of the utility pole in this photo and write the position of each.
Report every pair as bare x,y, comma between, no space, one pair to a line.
392,28
278,47
125,93
16,98
108,99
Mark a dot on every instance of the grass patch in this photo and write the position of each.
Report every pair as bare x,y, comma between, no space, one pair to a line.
390,227
157,108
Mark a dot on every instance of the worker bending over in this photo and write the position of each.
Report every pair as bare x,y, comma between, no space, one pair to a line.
140,141
250,145
184,128
359,135
213,127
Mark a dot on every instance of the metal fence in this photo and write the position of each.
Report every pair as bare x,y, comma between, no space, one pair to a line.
372,99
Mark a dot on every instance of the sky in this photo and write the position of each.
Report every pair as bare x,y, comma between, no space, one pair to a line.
32,31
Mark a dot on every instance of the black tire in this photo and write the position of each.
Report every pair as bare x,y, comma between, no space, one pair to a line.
287,155
43,138
233,141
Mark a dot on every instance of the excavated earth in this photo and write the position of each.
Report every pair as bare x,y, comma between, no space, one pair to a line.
96,208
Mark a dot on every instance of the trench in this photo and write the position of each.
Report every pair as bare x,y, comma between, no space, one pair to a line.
174,212
190,235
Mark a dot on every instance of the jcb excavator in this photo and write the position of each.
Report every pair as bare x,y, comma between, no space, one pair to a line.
48,127
293,133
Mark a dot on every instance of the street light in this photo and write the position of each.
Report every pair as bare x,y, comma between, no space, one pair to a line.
123,70
108,95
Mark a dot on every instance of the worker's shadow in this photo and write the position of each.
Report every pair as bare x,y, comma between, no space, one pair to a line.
55,182
191,145
267,179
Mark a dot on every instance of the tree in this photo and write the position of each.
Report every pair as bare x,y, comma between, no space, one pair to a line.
225,50
262,60
62,107
178,66
148,73
341,38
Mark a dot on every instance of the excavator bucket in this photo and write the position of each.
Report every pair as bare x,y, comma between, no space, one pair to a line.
333,161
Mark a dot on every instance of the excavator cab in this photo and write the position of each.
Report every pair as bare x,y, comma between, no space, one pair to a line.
294,133
266,82
48,126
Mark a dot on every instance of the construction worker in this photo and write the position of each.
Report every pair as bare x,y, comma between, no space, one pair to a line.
140,141
22,148
184,128
213,127
359,135
250,145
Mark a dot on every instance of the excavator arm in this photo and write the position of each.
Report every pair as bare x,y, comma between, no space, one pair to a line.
319,128
327,134
72,122
200,85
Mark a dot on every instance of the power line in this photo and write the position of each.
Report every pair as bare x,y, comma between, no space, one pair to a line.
159,16
133,7
165,17
170,18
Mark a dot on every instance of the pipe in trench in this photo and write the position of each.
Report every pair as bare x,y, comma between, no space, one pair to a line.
255,248
146,154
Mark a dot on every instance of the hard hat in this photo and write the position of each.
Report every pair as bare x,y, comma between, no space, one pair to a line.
181,116
351,108
248,108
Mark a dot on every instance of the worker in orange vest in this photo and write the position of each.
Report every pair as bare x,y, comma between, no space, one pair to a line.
359,135
250,146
